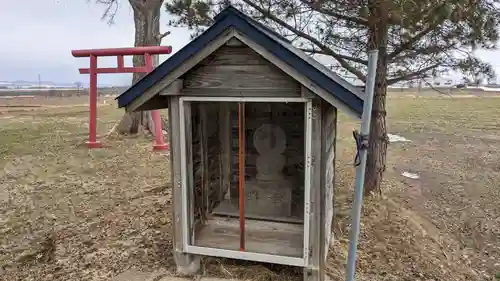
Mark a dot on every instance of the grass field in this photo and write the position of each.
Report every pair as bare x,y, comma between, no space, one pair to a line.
67,213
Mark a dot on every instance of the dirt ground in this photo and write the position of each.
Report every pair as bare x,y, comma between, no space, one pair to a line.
67,213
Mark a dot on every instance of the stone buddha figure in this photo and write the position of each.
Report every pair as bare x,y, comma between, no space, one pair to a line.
270,142
269,194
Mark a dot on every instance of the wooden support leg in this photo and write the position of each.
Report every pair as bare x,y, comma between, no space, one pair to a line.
187,264
313,274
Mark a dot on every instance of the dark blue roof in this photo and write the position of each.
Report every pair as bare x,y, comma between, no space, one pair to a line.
230,17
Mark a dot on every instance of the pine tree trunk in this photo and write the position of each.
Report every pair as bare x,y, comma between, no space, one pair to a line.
376,162
147,30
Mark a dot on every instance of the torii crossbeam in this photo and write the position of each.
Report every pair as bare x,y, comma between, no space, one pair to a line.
93,70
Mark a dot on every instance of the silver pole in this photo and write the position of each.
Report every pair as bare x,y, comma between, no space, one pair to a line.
360,169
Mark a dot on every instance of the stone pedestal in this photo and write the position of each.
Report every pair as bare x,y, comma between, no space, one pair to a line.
268,199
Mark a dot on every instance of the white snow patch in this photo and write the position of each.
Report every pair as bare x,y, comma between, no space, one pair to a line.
410,175
397,138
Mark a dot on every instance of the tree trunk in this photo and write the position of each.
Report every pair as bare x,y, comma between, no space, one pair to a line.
147,31
376,162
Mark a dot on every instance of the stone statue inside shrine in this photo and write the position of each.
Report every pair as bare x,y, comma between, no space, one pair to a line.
269,194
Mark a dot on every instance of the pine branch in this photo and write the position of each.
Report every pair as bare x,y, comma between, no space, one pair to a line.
414,53
432,25
411,42
319,52
316,6
416,74
313,40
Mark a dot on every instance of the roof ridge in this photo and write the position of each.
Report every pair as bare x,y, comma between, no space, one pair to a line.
231,10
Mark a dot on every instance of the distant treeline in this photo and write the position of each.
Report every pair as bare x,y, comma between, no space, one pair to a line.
113,91
60,92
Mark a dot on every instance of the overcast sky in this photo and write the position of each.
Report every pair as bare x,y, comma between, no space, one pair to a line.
38,35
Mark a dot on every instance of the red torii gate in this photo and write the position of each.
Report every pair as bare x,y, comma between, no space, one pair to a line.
147,52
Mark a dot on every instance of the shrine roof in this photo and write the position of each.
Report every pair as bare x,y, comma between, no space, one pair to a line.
350,96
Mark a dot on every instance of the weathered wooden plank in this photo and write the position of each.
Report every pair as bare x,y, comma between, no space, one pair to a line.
225,141
329,150
197,160
158,102
203,151
202,131
201,92
185,67
234,55
214,153
316,266
207,157
262,237
234,42
189,164
175,166
237,77
295,74
187,264
173,89
306,93
229,208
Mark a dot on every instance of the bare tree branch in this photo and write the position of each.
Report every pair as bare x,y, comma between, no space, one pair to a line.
110,10
162,35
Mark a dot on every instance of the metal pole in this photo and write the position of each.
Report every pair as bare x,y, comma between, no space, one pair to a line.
360,169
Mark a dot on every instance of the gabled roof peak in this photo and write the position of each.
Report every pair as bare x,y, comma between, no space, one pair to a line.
314,75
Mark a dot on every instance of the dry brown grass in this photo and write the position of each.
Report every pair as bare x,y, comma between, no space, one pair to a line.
72,214
444,226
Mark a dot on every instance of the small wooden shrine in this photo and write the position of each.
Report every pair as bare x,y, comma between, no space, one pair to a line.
252,137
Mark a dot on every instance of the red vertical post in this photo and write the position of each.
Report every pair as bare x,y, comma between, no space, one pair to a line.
160,144
92,142
120,63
